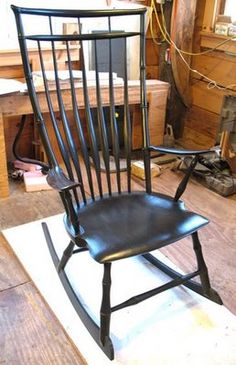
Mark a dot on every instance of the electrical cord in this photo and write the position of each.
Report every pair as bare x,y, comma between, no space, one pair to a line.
167,38
190,53
43,165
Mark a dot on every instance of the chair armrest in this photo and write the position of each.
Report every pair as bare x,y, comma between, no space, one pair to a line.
59,181
180,152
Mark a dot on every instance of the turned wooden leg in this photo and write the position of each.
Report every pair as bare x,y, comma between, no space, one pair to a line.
105,312
201,264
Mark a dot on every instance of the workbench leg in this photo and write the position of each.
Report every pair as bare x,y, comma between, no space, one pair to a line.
156,116
157,101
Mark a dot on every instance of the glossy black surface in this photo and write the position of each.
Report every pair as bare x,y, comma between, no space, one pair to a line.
102,212
131,224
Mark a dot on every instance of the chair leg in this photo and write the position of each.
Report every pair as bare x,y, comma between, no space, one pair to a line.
208,291
66,256
78,304
191,284
105,312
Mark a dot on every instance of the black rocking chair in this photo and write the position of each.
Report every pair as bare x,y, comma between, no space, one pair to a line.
104,212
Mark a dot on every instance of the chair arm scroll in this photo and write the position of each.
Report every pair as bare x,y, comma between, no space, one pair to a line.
59,181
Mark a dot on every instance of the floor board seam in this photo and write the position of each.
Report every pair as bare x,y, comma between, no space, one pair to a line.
15,286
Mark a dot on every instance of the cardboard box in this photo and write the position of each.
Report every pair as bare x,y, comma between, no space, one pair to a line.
35,181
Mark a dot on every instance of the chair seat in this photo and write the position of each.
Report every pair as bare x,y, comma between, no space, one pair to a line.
131,224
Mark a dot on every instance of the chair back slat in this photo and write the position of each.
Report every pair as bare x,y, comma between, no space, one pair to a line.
114,128
66,145
103,135
81,131
90,125
127,122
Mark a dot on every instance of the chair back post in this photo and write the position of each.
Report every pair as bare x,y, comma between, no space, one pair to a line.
144,105
30,85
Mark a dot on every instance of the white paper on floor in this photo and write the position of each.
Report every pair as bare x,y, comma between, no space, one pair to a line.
175,327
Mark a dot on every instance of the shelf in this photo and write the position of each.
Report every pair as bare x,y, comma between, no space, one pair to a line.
12,57
211,40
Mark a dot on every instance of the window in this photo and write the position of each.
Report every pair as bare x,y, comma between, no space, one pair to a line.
230,9
212,9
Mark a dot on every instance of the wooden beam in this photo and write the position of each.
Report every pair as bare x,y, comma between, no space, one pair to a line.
209,15
208,99
182,29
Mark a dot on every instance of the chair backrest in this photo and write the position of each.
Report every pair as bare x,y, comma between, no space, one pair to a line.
81,105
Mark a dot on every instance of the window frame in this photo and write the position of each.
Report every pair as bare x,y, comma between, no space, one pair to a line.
212,9
208,38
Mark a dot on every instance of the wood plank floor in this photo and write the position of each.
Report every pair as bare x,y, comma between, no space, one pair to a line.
30,334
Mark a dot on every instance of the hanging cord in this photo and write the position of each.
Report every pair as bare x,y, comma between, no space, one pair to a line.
15,145
166,37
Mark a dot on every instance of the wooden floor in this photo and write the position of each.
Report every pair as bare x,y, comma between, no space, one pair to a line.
30,334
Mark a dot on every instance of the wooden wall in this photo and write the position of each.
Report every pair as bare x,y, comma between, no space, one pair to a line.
202,118
197,124
11,68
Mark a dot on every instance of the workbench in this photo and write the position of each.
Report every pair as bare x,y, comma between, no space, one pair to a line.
17,104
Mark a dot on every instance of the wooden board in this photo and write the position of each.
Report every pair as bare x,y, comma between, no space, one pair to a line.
182,28
200,128
30,333
210,100
157,105
11,273
12,57
12,72
218,67
152,72
211,40
152,53
209,15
